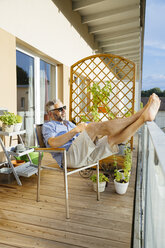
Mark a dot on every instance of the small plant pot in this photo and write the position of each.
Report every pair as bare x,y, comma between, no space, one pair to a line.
101,186
121,188
17,127
102,109
7,128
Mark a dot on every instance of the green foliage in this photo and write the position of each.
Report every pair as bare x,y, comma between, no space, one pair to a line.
147,93
119,176
84,118
18,119
8,118
100,97
127,159
127,166
102,178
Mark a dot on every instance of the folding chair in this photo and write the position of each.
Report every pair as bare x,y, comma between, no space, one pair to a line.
65,170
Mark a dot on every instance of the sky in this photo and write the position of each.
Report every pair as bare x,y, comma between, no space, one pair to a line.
154,46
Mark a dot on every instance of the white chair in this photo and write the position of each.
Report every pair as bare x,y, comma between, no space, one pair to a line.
42,148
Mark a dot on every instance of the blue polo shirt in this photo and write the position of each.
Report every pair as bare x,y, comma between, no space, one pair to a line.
54,129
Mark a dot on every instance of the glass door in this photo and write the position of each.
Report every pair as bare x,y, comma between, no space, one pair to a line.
47,87
36,85
25,93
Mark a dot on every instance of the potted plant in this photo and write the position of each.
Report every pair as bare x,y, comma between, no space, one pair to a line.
100,97
127,164
102,182
8,121
121,184
18,124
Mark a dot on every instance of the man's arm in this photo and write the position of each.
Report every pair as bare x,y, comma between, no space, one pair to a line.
64,138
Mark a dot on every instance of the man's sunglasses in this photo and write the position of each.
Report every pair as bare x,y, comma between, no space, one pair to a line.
59,109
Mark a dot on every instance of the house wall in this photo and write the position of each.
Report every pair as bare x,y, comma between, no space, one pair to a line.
40,27
7,71
40,24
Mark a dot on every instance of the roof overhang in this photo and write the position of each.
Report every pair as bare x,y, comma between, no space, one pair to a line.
109,26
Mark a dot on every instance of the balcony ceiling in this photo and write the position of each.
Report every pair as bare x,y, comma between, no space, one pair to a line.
117,25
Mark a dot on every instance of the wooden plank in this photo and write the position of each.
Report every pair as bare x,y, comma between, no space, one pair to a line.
25,241
68,226
7,246
44,210
27,223
59,236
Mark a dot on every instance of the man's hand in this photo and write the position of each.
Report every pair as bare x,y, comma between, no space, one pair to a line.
81,127
64,138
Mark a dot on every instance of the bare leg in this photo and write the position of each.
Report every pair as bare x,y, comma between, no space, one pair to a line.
113,127
148,115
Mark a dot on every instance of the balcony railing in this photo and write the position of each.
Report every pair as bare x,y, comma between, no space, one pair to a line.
149,225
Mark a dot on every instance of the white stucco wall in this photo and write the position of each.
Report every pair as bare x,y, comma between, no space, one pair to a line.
41,25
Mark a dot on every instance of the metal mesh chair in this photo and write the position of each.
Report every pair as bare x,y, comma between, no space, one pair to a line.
65,170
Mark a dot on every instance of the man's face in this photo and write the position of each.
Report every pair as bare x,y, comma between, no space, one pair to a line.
59,112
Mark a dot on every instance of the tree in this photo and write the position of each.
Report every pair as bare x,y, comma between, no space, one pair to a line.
158,91
22,76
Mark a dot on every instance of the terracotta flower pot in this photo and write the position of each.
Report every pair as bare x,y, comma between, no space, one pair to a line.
102,109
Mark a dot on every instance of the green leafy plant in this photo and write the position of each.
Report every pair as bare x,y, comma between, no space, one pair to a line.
123,177
18,119
102,178
8,118
100,97
127,159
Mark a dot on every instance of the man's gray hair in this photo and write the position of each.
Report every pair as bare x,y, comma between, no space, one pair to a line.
50,105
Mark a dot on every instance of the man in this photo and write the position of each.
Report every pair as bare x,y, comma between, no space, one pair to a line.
79,140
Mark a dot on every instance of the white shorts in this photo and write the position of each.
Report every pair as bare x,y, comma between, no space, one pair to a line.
83,151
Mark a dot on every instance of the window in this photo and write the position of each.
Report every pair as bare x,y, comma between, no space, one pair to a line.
35,86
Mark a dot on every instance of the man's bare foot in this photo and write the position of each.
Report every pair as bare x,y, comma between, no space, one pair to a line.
152,108
147,105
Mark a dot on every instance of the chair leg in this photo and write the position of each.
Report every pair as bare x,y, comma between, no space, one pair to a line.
66,186
98,193
38,179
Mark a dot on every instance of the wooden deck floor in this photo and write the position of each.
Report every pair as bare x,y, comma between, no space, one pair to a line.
27,223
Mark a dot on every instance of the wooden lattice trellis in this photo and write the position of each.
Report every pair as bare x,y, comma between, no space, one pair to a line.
99,69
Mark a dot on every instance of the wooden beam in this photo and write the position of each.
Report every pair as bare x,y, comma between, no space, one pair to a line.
119,48
109,13
78,5
118,33
106,26
122,40
127,54
128,44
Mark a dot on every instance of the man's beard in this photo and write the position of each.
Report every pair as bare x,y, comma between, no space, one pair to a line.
58,118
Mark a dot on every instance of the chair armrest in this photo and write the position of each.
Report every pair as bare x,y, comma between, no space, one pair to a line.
49,149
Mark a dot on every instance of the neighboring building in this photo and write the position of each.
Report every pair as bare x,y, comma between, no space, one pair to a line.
160,118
